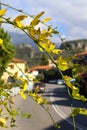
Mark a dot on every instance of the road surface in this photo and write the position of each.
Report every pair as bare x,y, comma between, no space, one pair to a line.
59,109
62,106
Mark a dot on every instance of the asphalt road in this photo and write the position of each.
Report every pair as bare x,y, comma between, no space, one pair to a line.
60,110
62,106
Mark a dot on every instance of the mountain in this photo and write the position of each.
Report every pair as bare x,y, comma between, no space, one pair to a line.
25,45
20,38
25,51
29,54
80,44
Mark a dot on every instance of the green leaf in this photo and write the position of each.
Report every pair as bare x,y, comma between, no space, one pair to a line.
62,64
75,111
76,95
26,115
81,111
12,123
14,112
3,122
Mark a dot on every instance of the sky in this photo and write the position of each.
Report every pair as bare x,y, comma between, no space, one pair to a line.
69,16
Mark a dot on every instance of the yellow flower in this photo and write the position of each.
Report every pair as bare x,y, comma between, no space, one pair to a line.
1,42
18,19
2,122
22,94
2,12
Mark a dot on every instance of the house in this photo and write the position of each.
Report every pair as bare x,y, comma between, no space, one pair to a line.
17,65
82,54
82,58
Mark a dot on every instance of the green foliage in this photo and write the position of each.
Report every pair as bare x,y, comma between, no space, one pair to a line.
26,115
30,55
81,111
7,51
40,77
44,59
52,74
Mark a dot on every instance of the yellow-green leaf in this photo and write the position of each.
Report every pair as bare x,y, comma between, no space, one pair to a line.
2,12
81,111
62,64
1,42
16,74
5,49
39,15
24,83
75,90
14,112
3,122
57,51
46,20
22,94
36,20
26,115
52,46
68,83
77,96
18,20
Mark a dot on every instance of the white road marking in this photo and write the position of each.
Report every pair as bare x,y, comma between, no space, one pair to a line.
64,116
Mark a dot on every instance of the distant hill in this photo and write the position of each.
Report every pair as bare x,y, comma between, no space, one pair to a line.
20,38
73,47
80,44
25,51
29,54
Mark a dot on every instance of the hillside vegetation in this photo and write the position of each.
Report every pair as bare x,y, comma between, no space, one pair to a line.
31,55
75,45
34,57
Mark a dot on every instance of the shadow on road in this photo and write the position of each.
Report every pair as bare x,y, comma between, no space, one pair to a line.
69,126
62,99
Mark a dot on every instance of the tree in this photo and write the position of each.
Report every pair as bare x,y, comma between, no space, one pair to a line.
44,59
7,50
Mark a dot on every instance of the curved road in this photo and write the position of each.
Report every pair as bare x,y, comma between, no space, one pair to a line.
62,106
60,110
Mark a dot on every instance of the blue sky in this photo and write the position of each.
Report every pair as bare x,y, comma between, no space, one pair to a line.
70,16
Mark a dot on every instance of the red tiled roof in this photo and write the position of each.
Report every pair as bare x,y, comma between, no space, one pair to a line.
82,75
45,67
16,60
82,53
